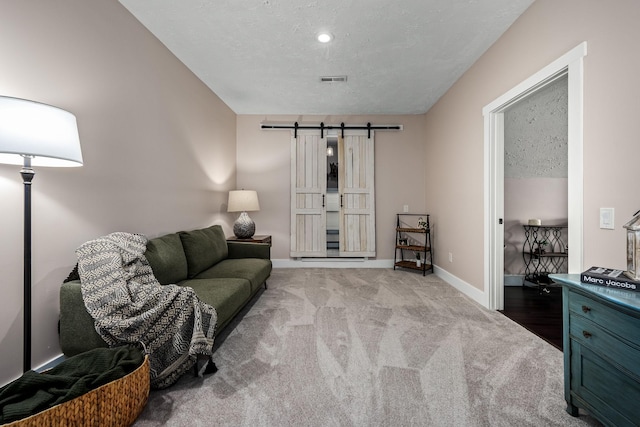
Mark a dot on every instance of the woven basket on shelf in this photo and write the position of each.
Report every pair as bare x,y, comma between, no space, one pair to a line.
117,403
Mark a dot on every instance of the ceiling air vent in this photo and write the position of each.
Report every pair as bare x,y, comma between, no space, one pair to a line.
333,79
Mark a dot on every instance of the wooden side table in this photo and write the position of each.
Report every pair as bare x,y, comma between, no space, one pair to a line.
255,239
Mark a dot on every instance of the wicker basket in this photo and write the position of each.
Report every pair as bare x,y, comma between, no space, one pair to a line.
117,403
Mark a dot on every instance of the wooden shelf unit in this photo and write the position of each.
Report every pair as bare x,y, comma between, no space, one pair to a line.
416,240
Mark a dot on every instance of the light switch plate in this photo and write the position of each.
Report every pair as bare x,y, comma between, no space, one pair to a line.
607,218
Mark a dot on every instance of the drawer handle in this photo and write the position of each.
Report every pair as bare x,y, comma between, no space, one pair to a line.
586,309
586,334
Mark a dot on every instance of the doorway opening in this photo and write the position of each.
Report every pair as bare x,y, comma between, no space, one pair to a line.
535,187
332,201
571,66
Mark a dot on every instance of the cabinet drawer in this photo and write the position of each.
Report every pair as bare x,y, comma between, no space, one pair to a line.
611,393
624,326
592,336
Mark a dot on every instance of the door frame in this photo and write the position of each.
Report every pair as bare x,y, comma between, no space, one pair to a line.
572,65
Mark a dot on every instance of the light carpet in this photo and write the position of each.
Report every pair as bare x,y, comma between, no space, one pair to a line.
370,347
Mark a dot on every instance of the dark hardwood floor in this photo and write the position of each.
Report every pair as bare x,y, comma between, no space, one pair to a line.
541,313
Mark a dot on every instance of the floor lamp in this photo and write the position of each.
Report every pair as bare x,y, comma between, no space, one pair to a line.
35,134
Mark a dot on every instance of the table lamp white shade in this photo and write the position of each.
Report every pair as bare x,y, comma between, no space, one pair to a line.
243,201
47,135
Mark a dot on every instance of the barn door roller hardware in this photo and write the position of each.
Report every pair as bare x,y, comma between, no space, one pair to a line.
369,127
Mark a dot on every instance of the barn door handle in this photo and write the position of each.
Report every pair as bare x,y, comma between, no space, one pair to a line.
323,200
341,200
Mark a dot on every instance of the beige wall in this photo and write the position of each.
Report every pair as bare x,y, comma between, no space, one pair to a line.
158,145
263,164
454,127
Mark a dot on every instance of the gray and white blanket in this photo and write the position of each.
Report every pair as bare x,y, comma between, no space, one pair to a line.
129,305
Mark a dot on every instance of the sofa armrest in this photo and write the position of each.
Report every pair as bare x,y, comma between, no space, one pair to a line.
77,330
249,250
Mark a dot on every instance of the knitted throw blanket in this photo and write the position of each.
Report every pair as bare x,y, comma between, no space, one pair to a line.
129,305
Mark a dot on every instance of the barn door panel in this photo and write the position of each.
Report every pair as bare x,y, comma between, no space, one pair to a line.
308,194
357,195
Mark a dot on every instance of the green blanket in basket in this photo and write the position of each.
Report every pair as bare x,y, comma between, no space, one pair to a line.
34,392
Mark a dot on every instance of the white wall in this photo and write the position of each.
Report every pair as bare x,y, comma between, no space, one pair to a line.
158,145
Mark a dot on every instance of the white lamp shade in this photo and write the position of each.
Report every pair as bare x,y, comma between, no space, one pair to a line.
47,134
243,201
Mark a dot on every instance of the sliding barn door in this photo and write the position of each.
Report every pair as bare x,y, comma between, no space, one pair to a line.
357,195
308,195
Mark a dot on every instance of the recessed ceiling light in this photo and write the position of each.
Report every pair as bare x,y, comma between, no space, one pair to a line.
325,37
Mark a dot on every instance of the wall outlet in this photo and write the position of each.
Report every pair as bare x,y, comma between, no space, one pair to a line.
405,208
450,257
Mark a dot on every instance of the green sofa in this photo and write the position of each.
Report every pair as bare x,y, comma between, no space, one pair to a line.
223,274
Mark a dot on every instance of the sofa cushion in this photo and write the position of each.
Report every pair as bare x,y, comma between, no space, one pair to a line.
167,259
203,248
227,296
255,270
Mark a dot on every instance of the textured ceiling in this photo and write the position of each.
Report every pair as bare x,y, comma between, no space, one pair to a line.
262,56
536,134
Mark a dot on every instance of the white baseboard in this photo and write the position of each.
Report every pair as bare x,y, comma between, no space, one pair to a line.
45,366
51,363
513,279
332,263
469,290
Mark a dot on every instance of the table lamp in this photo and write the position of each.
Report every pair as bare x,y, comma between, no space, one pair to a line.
243,201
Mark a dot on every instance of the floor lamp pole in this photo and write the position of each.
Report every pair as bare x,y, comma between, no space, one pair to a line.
35,134
27,176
